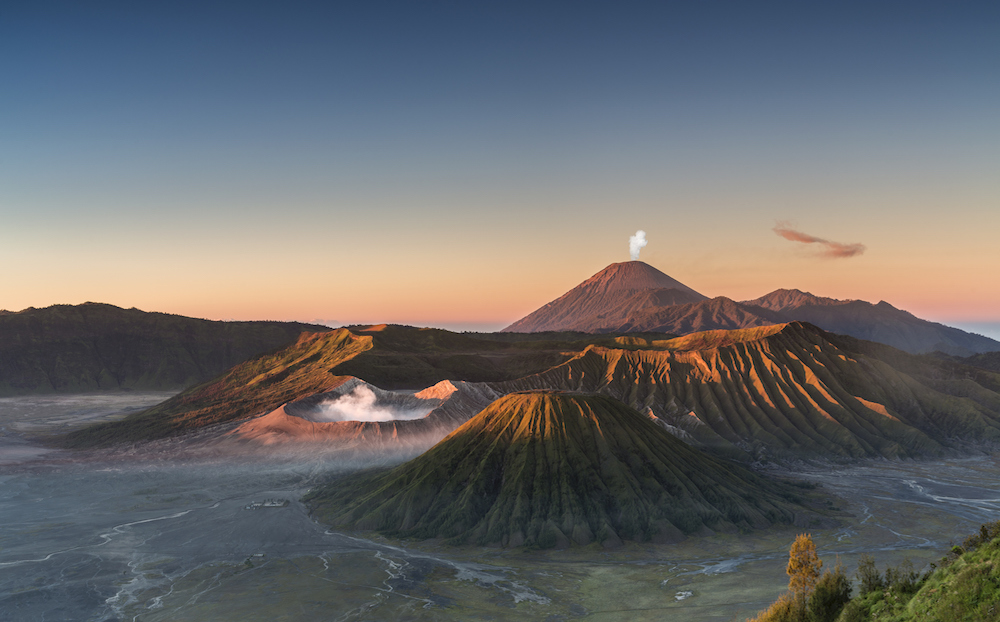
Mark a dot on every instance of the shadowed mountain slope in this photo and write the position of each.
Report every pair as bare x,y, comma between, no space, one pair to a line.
715,314
986,360
548,469
880,322
785,299
789,391
605,300
75,348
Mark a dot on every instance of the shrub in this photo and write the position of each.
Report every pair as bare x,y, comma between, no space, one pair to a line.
869,577
832,592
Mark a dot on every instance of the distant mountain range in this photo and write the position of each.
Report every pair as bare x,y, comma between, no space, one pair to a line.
634,296
87,347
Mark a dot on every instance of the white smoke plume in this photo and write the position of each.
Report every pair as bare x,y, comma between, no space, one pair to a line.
635,244
360,405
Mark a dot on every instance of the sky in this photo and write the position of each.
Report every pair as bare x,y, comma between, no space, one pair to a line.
460,164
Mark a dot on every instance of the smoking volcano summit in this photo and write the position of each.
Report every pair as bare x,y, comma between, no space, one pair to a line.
608,298
635,297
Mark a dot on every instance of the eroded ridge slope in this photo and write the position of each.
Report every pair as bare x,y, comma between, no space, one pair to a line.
547,469
788,391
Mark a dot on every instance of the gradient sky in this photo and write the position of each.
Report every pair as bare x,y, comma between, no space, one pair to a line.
460,164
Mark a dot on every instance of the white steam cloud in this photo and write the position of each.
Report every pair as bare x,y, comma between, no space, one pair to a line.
361,405
635,244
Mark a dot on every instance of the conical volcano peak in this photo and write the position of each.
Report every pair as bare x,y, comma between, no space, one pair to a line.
608,294
550,469
634,276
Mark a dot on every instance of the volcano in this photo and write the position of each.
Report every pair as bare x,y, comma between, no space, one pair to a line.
608,299
548,469
635,297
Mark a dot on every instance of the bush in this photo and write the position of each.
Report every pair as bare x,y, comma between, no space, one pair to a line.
869,578
833,591
903,579
788,608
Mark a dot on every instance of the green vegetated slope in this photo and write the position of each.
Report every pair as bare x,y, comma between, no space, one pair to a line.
964,589
88,347
389,357
547,469
789,390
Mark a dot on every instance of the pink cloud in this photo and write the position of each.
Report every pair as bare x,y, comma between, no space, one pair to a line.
832,250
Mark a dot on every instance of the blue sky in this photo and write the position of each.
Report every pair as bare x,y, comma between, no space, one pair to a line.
337,160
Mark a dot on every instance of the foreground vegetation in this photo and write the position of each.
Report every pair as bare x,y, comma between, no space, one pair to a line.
965,587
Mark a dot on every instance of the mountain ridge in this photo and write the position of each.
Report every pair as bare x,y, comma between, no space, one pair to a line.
788,391
97,346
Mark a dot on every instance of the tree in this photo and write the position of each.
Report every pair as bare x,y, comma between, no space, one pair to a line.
869,578
833,591
803,566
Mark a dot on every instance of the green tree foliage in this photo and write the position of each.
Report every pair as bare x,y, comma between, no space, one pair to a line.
869,578
832,592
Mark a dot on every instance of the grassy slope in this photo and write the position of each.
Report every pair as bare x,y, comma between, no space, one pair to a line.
92,346
966,588
790,390
544,469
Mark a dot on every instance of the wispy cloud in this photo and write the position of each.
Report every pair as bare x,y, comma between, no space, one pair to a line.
832,250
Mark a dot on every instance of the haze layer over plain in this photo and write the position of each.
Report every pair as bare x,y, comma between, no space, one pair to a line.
136,537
